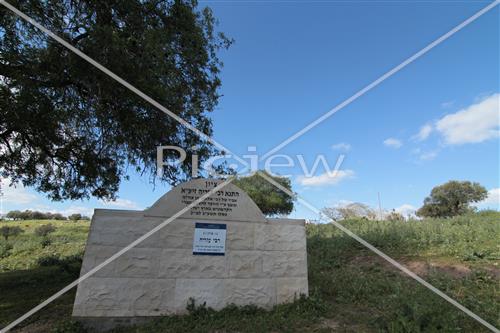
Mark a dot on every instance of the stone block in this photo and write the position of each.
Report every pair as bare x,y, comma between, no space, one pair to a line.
181,263
240,236
275,237
138,262
289,289
261,292
95,255
285,264
203,291
245,264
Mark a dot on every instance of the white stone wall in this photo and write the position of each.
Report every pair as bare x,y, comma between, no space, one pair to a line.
265,263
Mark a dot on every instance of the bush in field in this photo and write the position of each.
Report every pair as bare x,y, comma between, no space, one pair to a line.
452,198
351,211
75,217
394,216
7,231
44,230
5,249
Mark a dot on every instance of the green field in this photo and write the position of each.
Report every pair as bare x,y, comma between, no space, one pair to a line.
351,289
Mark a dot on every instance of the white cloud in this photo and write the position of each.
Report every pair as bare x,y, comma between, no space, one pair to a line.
17,193
342,146
423,133
326,178
121,203
406,210
477,123
393,143
493,199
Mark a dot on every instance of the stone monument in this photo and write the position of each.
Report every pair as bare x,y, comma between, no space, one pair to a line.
222,251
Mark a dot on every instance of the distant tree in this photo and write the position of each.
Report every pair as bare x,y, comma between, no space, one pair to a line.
71,131
85,218
7,231
350,211
38,215
44,230
58,216
268,197
75,217
451,199
26,215
14,214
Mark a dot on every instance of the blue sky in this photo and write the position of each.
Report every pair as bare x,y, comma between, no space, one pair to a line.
293,61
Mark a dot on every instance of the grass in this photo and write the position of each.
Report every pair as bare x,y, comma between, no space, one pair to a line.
351,289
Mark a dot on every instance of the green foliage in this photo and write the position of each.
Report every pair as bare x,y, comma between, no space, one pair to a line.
44,230
351,289
268,198
5,249
75,217
70,264
7,231
69,326
452,198
33,215
71,131
68,240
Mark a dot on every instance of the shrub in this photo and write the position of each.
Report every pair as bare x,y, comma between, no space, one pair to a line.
44,230
69,326
45,242
75,217
5,249
7,231
70,264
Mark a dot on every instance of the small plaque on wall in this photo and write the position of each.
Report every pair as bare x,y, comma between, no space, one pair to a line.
209,239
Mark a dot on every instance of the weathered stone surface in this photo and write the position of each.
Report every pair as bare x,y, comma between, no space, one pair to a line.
230,203
246,264
138,262
289,289
265,260
240,236
124,297
275,237
285,263
203,291
261,292
181,263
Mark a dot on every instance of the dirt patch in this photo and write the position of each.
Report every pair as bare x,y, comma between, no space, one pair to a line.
424,267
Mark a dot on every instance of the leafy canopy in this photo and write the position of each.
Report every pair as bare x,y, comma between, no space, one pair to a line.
69,130
268,197
452,198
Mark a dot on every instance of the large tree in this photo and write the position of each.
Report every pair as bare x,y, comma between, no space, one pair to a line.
69,130
452,198
271,200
